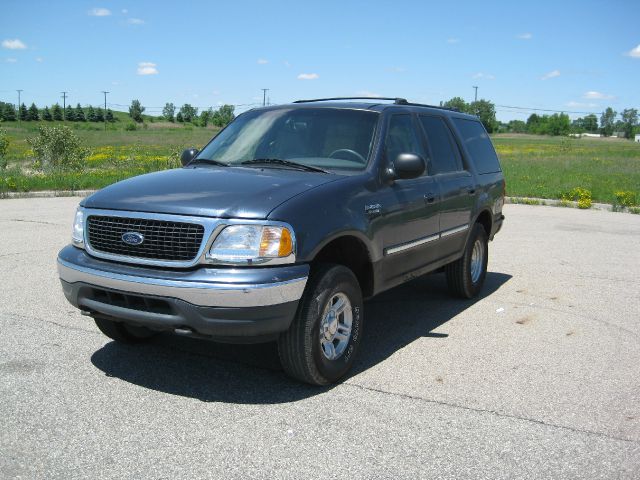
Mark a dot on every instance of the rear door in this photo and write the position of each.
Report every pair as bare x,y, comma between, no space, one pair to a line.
409,214
456,184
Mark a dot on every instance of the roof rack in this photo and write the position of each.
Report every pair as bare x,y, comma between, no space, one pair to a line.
396,101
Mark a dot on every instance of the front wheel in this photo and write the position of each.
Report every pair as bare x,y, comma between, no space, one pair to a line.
322,341
466,275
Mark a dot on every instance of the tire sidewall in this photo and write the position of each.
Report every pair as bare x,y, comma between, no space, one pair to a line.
341,282
478,233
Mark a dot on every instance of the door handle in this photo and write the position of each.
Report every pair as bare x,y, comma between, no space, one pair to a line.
429,197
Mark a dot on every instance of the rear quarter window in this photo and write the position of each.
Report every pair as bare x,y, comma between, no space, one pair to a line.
478,144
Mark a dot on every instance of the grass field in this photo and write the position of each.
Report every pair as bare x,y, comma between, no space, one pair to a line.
534,166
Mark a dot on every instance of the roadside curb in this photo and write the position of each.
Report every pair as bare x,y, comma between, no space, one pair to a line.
549,202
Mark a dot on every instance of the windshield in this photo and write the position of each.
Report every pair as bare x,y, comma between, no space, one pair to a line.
328,138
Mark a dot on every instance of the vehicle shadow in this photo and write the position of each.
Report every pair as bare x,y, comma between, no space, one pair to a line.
251,374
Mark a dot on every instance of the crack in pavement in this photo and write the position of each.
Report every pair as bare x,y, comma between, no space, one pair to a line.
493,412
38,319
23,253
30,221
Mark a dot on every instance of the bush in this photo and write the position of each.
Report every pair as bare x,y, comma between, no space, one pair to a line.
580,195
58,147
130,127
4,146
626,199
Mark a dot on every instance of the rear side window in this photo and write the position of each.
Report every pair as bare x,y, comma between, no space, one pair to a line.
479,145
439,139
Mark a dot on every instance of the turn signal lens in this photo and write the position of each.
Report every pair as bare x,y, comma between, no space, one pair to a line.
252,243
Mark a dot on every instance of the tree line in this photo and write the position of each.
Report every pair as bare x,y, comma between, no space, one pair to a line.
187,114
55,113
555,124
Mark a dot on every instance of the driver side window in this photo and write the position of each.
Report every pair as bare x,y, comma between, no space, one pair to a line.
401,137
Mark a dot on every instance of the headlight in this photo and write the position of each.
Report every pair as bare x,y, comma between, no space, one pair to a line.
247,244
77,236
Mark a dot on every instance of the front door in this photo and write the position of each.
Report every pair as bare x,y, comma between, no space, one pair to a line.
410,211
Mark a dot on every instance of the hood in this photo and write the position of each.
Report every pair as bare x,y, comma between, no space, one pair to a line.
225,192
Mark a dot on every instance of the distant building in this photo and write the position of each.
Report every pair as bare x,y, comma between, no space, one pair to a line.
637,139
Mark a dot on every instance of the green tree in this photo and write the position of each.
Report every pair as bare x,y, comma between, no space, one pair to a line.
91,114
46,114
69,114
135,111
99,115
607,121
205,117
486,112
223,116
188,112
629,121
517,126
4,146
179,118
591,123
9,114
33,114
558,124
533,123
169,111
79,114
58,147
109,116
56,112
457,103
23,113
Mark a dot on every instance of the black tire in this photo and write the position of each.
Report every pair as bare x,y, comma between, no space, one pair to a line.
459,279
123,333
300,350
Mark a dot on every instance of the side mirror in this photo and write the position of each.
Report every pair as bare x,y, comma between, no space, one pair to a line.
188,155
409,165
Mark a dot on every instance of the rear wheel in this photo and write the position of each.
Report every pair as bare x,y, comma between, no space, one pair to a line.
123,333
466,275
322,341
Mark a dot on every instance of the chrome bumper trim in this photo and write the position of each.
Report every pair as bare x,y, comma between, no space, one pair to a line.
202,294
453,231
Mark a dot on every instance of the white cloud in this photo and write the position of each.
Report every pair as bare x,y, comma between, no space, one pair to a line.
135,21
39,59
147,68
592,95
551,74
99,12
581,105
308,76
125,11
262,61
525,36
634,52
14,44
11,60
287,64
486,76
453,40
367,93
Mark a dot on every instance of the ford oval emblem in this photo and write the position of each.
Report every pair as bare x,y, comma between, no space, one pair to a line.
132,238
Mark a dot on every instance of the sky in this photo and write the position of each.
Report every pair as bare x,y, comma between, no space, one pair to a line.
574,56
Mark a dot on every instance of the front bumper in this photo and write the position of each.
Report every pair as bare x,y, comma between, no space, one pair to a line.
215,302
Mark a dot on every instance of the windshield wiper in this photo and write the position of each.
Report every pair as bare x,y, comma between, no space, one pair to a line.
208,160
279,161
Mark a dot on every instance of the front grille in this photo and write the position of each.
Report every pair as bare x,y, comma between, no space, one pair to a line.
163,240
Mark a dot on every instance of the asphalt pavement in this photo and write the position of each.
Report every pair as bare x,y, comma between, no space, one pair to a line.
538,378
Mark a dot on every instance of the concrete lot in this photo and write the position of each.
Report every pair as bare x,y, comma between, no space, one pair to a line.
540,378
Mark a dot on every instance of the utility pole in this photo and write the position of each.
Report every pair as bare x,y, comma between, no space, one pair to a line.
19,92
264,96
105,110
64,106
476,97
